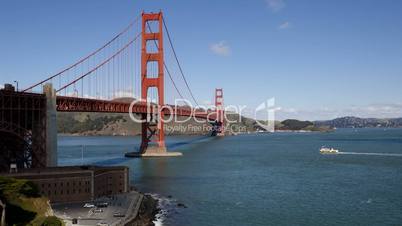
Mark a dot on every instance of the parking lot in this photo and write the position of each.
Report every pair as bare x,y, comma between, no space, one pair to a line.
123,205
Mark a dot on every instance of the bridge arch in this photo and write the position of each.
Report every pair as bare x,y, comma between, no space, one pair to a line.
15,146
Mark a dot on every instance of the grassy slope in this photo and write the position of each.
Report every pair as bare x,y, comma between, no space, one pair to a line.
24,204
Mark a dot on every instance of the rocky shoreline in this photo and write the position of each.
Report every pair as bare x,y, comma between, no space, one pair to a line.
147,212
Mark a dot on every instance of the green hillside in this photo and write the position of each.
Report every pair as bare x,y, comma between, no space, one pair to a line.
24,205
110,124
121,124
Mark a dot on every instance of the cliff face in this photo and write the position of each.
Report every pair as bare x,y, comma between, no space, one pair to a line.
147,212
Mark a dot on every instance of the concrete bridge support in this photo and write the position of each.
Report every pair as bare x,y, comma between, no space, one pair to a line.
51,125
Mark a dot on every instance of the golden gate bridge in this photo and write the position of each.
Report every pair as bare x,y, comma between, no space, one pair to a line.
125,75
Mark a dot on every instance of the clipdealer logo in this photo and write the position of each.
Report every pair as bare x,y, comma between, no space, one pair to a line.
263,114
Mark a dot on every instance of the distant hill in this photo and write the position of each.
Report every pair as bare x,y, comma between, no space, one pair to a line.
355,122
106,124
296,125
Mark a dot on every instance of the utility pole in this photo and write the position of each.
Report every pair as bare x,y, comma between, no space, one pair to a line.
82,154
16,82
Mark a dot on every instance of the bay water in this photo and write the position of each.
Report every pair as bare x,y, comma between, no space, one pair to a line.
262,179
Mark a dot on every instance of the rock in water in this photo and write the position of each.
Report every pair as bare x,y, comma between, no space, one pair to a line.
181,205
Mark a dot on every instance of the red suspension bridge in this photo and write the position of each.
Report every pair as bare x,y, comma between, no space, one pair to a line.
125,75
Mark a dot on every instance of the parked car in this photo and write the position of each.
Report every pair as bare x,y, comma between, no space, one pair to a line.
98,210
89,205
102,205
118,214
102,224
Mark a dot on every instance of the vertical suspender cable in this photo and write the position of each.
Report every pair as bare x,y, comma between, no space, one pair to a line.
178,63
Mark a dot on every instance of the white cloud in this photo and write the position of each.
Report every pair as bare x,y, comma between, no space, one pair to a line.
284,25
206,103
377,110
221,48
289,110
275,5
123,93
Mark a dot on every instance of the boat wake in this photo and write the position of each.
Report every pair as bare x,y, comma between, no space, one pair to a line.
368,153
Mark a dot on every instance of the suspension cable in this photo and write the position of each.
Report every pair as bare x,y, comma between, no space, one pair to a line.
174,84
178,63
87,57
167,70
101,64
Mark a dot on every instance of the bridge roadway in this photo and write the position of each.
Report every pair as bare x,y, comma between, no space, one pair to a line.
28,122
76,104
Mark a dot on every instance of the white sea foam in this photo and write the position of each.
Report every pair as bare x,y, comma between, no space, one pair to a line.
368,201
158,222
166,206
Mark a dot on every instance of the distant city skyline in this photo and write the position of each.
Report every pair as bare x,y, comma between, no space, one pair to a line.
318,59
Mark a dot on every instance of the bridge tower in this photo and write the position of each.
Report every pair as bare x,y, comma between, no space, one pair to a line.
153,136
220,118
152,125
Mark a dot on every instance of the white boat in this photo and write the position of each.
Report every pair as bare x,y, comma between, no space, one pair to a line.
325,150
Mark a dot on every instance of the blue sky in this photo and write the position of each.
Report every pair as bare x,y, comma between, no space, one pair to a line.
319,58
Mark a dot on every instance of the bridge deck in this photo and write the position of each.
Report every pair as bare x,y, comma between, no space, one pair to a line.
76,104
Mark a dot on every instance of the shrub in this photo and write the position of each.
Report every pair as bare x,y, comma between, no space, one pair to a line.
29,189
52,221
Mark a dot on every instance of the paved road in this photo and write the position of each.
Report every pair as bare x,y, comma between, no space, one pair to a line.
124,203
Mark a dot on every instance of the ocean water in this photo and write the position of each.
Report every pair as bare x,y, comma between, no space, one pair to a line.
263,179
